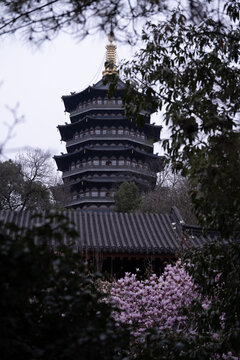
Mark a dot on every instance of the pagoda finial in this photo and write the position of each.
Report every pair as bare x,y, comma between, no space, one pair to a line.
110,63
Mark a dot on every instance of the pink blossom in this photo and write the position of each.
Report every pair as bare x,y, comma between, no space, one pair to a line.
155,301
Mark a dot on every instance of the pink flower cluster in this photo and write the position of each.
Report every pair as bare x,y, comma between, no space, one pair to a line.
155,301
228,356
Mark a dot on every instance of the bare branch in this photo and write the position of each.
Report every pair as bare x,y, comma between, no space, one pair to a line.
10,127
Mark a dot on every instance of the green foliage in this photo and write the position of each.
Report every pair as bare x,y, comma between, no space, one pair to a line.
193,71
217,271
49,305
127,198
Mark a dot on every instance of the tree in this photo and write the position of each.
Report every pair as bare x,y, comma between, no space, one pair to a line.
172,190
192,71
127,198
42,20
17,119
11,185
37,165
155,301
50,307
25,182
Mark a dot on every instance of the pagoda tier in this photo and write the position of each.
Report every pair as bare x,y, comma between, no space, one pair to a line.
91,98
80,129
100,189
104,148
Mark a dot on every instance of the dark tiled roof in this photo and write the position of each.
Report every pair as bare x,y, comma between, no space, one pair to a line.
111,232
70,101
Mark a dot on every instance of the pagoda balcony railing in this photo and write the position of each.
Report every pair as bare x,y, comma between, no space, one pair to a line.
106,168
110,136
88,199
102,107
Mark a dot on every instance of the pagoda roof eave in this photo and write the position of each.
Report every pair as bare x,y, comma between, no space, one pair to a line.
105,149
63,160
66,130
99,88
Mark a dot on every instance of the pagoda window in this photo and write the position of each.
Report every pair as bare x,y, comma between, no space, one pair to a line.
121,162
128,163
72,166
103,162
76,136
102,193
133,163
119,101
114,162
74,197
87,193
96,162
94,193
78,165
98,131
104,131
120,131
81,195
99,101
114,131
91,131
105,101
143,136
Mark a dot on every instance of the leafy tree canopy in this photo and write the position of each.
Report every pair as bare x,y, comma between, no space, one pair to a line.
192,73
127,198
50,307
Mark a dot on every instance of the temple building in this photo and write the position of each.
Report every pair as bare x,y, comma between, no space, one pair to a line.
103,147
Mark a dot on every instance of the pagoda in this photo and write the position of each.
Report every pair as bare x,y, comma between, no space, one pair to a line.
103,147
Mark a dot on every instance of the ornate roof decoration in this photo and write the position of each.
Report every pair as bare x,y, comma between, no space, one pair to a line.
110,63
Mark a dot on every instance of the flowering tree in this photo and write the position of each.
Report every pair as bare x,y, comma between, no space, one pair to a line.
155,301
173,315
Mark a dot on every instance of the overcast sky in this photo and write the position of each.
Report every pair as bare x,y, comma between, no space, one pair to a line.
36,78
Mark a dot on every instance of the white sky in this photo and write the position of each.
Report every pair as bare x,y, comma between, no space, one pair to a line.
37,78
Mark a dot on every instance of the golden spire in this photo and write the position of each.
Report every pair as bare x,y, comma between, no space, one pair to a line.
110,63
